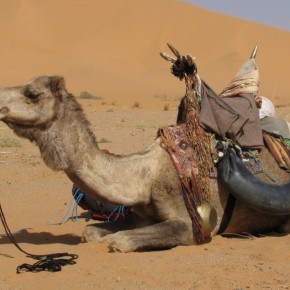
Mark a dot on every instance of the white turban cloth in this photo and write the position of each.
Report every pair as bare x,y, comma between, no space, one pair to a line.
267,109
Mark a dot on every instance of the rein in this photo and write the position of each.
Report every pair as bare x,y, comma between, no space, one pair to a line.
50,262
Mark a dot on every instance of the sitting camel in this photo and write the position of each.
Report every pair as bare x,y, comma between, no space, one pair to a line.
45,113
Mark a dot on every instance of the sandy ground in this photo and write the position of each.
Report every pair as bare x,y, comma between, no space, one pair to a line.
33,196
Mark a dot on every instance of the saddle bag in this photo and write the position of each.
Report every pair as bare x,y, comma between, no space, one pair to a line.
261,196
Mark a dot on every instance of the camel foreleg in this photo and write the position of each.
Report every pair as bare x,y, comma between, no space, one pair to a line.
163,235
97,232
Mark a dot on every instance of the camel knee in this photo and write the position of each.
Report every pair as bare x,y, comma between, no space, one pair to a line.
181,231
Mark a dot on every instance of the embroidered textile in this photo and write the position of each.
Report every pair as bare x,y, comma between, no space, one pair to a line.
189,148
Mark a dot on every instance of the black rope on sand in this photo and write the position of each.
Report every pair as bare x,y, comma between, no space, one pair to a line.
50,262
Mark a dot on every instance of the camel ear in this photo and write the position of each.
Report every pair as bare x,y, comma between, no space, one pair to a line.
57,84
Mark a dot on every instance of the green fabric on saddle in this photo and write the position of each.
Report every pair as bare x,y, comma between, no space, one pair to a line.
287,143
276,126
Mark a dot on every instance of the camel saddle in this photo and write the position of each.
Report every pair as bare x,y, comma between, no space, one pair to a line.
279,149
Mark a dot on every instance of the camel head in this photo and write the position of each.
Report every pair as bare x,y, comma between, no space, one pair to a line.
182,66
33,104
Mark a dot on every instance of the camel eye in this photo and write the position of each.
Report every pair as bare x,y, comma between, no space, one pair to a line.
32,95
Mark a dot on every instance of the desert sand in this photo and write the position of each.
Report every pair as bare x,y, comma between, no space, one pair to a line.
111,49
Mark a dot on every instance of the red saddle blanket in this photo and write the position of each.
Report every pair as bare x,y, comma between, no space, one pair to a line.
190,156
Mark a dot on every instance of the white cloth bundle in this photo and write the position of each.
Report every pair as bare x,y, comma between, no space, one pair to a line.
267,109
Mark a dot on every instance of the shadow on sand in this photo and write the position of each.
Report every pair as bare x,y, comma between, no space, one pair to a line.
42,238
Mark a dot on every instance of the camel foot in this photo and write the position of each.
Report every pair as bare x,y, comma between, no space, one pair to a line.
117,242
121,242
97,232
93,233
140,236
164,235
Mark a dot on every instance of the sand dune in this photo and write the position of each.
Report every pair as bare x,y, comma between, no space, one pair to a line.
111,48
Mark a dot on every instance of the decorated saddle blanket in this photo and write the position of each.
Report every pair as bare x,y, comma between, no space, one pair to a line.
189,148
175,139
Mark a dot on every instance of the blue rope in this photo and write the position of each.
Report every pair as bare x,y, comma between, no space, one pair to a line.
72,201
74,212
120,209
75,208
51,224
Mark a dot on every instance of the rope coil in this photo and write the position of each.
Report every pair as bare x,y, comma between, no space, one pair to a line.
50,262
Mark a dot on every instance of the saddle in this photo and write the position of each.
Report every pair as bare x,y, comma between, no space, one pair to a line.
279,149
261,196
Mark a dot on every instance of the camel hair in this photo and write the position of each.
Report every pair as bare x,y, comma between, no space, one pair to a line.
44,112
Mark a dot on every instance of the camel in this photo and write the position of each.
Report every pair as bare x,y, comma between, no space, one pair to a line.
44,112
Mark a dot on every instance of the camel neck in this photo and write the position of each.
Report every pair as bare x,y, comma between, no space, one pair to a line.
67,141
69,145
117,179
